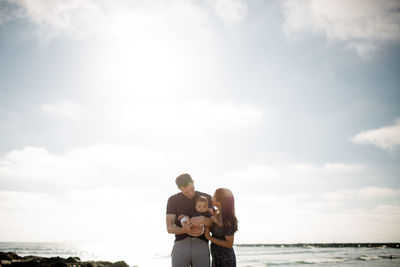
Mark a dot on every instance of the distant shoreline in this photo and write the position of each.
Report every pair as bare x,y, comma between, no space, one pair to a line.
325,245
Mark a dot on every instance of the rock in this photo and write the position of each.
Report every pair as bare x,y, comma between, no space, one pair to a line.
96,263
59,264
103,263
54,261
5,263
73,260
11,259
21,263
30,257
4,256
119,264
8,256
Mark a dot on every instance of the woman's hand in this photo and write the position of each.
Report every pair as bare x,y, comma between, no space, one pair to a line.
207,233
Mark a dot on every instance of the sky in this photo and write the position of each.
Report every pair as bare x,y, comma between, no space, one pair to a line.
293,105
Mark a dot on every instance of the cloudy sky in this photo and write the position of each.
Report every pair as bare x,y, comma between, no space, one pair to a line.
293,105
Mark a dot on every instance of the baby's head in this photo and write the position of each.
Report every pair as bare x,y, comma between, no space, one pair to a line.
202,204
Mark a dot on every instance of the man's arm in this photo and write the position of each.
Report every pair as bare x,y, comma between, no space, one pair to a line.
173,229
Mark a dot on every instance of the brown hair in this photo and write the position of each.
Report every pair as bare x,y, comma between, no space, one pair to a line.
202,199
183,180
228,215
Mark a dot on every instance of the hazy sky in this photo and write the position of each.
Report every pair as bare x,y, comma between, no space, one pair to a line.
293,105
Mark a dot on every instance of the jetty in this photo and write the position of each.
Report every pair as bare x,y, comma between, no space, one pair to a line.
326,245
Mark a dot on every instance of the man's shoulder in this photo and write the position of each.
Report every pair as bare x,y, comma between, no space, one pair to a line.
175,196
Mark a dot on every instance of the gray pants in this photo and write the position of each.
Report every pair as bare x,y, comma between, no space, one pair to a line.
190,251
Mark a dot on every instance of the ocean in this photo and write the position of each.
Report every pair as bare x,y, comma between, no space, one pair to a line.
246,255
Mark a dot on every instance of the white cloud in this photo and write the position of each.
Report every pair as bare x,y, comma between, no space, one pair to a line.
287,177
343,168
339,195
222,115
378,192
88,18
386,137
63,108
43,217
364,193
109,186
57,18
32,164
300,218
230,11
26,214
361,25
84,167
336,196
336,168
184,122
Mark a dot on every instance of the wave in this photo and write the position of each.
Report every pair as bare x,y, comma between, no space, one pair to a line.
270,253
321,261
367,258
377,257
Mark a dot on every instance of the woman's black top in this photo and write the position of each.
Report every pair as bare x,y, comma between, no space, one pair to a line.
222,257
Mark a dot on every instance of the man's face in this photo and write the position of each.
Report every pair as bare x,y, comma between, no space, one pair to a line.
201,206
188,190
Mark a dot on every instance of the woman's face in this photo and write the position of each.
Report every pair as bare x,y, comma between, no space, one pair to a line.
215,202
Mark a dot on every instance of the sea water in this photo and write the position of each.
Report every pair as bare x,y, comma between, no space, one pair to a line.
152,255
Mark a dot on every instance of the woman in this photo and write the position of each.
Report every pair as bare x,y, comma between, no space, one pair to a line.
223,229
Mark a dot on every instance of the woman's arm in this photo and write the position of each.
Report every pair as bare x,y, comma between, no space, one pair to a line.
228,243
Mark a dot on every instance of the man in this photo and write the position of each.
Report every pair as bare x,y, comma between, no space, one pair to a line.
190,246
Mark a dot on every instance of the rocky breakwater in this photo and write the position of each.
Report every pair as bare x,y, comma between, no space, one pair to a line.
11,259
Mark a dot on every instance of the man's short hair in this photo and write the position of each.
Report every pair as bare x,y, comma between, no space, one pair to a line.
183,180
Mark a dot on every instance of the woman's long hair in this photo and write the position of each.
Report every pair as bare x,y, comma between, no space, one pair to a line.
227,212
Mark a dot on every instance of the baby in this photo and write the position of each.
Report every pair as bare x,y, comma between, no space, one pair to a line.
201,210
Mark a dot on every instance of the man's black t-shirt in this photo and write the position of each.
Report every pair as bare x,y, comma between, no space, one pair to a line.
178,204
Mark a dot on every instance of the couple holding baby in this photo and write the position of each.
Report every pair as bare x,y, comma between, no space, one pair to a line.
191,217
